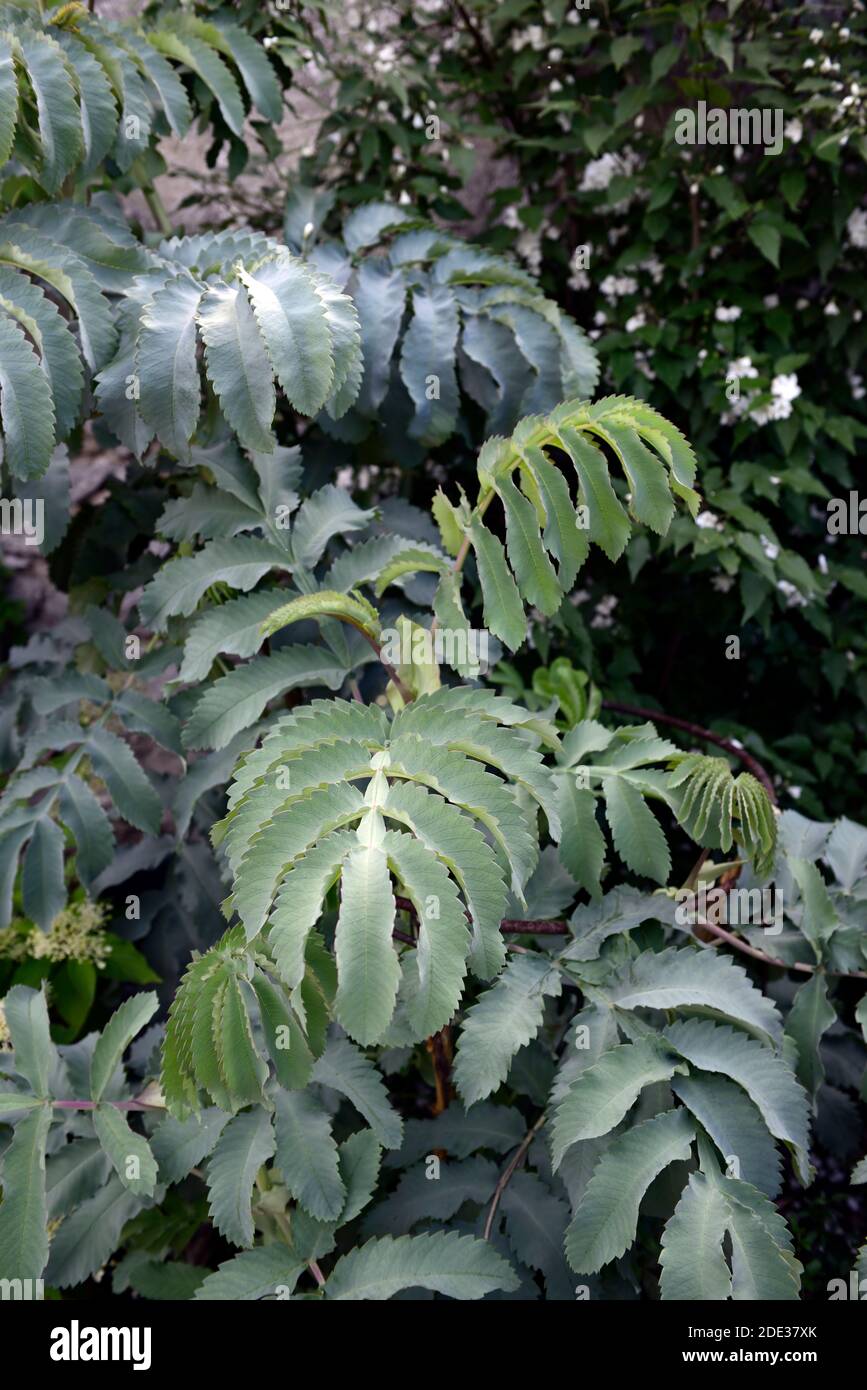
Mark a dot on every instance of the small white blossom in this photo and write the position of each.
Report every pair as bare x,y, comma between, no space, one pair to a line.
741,367
727,313
794,598
599,172
786,387
771,550
603,615
856,228
615,286
793,130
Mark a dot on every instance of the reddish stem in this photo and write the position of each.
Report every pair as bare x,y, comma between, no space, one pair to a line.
656,716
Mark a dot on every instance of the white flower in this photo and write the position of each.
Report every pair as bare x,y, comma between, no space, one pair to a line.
614,286
831,309
709,521
599,318
741,367
654,267
404,199
795,792
533,37
808,63
636,321
844,33
599,172
603,613
786,387
555,86
722,583
816,35
856,382
556,55
793,130
727,313
771,550
794,598
856,228
579,280
528,247
823,564
771,301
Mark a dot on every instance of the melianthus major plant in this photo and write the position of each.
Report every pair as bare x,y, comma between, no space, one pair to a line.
375,850
470,1024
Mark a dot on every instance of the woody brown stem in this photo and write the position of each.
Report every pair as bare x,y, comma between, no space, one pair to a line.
656,716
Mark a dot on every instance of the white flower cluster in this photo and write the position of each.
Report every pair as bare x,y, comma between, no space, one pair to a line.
532,37
741,367
615,286
603,614
727,313
654,267
599,172
784,390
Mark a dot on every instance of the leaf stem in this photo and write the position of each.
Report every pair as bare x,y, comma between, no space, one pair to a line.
158,210
509,1170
